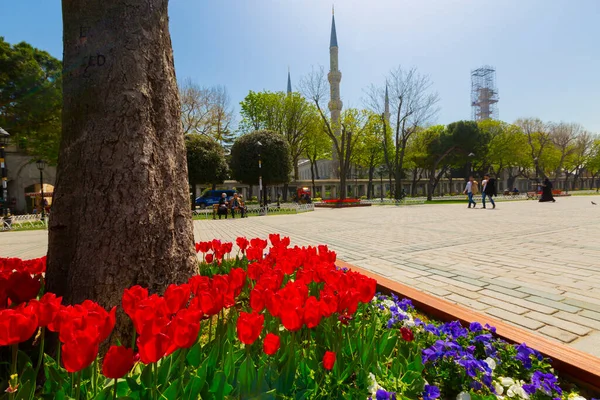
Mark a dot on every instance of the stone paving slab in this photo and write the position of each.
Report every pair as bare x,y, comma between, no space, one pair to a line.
534,265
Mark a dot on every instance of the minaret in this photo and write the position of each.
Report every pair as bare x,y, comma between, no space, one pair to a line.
386,112
289,86
334,77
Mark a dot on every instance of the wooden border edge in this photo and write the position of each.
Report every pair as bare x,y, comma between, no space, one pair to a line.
581,367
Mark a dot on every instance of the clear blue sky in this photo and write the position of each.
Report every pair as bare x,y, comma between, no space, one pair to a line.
546,52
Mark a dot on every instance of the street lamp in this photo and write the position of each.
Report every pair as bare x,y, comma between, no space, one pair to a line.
41,164
4,139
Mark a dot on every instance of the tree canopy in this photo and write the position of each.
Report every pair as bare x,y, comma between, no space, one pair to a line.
274,152
31,99
205,159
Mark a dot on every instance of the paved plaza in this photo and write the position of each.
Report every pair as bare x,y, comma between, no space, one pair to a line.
535,265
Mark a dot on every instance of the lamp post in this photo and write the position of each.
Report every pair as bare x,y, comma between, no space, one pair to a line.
41,164
4,139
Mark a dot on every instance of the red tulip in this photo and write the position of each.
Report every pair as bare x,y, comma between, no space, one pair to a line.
132,297
185,327
22,287
81,350
312,312
117,362
242,243
249,327
271,344
328,360
407,334
17,324
291,318
153,347
177,297
209,258
48,307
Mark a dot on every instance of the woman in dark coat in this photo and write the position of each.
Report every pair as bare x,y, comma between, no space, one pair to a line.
547,191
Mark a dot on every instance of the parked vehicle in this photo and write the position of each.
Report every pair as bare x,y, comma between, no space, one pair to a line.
211,197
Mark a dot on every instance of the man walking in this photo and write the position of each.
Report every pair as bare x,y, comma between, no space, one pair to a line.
469,192
489,190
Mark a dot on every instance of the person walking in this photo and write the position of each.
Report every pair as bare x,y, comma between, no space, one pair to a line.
469,191
547,191
489,190
483,183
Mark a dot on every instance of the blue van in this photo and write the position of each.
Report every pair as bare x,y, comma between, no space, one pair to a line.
211,197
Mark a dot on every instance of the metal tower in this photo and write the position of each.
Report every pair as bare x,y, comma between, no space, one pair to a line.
484,94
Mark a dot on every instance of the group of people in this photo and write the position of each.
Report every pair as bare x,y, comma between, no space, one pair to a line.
488,190
236,204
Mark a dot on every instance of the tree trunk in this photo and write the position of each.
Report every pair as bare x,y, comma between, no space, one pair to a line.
343,188
431,184
413,186
370,185
312,177
121,213
286,187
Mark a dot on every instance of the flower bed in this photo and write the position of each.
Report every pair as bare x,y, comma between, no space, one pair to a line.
338,203
267,322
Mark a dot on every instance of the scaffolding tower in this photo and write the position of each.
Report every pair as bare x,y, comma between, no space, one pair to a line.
484,94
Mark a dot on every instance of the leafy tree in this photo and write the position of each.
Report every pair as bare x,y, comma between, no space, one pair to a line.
369,151
31,98
318,147
592,164
352,125
417,157
575,164
412,104
506,151
563,138
207,111
274,153
205,160
540,144
454,145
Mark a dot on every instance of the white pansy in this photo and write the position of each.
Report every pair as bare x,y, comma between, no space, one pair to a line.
506,382
388,303
410,322
463,396
491,363
516,391
499,389
374,386
575,396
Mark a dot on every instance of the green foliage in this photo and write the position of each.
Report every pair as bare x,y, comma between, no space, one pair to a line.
205,159
31,98
288,114
274,153
507,147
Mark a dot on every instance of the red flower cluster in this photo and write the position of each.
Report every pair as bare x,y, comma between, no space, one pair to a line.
20,280
81,328
170,322
219,250
298,286
341,292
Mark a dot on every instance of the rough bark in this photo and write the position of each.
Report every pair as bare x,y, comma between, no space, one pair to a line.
121,209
